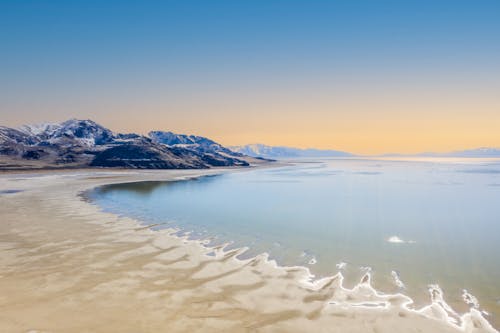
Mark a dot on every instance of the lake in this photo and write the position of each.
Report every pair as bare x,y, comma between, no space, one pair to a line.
412,222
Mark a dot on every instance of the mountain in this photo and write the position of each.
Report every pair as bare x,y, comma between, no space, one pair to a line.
478,152
260,150
193,142
11,136
84,143
484,152
71,132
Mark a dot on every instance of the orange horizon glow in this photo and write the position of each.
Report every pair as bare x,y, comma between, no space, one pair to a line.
365,78
361,120
356,131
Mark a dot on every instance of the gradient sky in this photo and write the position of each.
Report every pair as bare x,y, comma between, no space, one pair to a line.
361,76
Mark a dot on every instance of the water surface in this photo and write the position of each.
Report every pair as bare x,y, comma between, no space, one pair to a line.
433,221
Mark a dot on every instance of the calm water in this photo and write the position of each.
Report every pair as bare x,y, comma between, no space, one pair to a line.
429,221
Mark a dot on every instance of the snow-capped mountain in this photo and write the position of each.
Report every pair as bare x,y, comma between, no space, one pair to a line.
79,143
71,132
171,139
39,129
193,142
12,135
260,150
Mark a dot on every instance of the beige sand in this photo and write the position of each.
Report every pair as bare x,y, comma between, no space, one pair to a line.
68,267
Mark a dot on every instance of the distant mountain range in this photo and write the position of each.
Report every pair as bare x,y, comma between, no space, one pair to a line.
84,143
260,150
279,152
484,152
479,152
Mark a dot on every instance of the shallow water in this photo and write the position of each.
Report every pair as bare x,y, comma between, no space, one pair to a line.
413,223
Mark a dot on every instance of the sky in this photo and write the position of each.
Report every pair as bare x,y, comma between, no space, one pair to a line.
361,76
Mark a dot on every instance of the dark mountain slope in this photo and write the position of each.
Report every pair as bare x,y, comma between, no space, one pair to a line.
84,143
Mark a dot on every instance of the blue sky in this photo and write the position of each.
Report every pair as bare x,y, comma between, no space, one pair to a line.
178,61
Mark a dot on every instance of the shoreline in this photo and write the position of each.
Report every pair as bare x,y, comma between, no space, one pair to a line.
162,281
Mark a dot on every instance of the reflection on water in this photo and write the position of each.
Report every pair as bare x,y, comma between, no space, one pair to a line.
412,222
9,191
140,188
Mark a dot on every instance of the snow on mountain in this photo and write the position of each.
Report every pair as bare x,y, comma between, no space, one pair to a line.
71,132
171,139
39,129
193,142
87,132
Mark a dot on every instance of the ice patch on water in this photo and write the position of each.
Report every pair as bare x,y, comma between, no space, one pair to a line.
366,269
397,280
341,265
437,299
395,239
308,258
398,240
470,300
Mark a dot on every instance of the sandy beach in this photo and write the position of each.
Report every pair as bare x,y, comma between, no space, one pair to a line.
66,266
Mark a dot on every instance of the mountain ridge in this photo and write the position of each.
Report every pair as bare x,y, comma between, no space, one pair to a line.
85,143
262,150
481,152
265,151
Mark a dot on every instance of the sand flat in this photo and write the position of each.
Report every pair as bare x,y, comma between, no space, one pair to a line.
66,266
